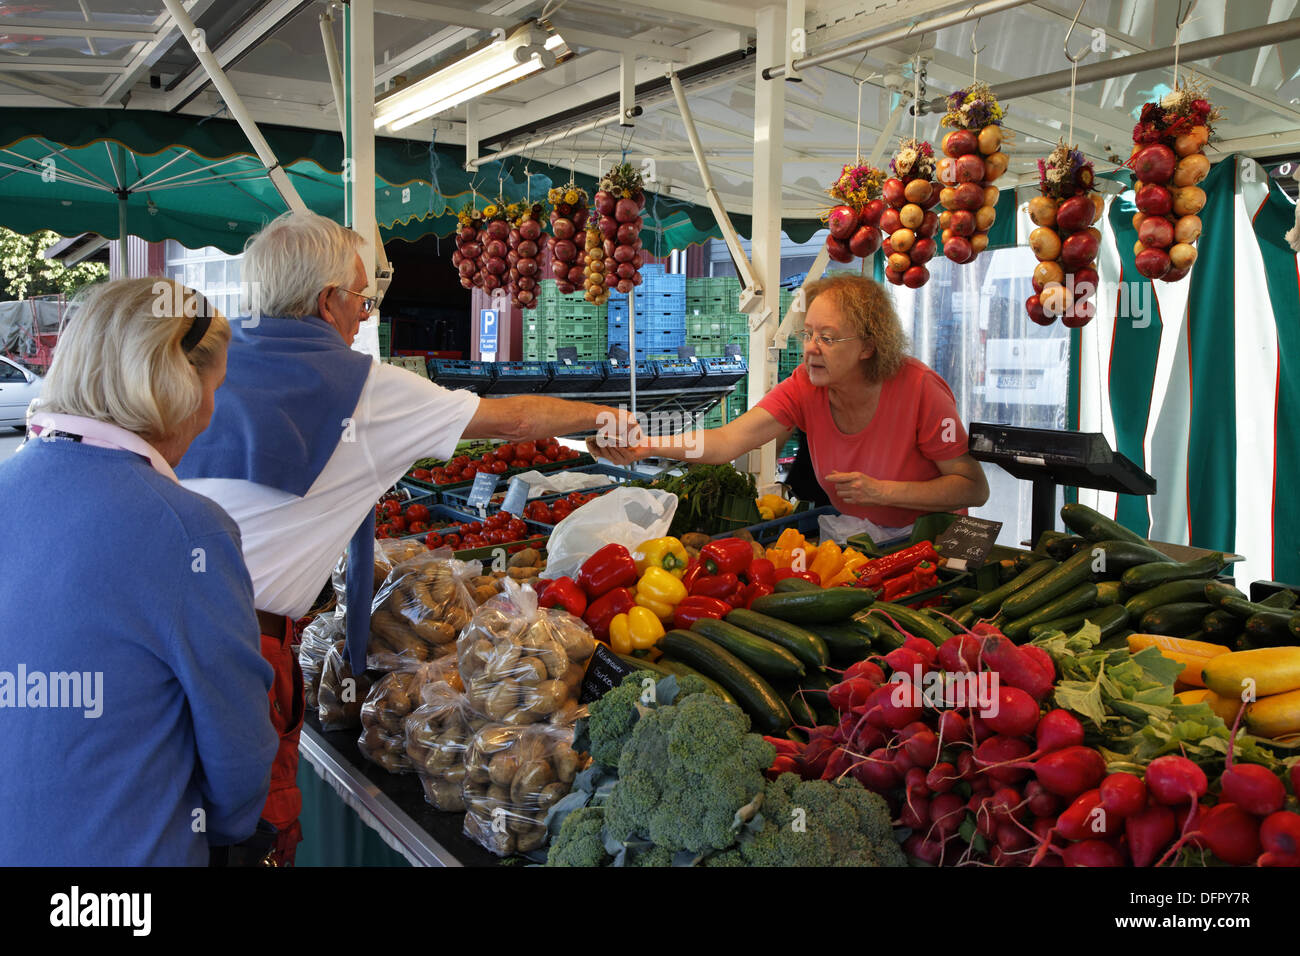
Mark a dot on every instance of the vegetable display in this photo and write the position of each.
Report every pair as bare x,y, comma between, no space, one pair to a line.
854,223
493,240
525,245
594,288
1065,241
909,223
618,203
469,246
972,161
568,222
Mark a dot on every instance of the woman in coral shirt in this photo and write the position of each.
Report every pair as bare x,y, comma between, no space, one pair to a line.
886,441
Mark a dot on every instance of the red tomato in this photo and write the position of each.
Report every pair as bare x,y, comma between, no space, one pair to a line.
451,540
487,458
540,460
399,523
417,513
516,529
460,461
383,532
391,507
520,463
475,527
417,527
505,452
433,540
421,474
499,467
526,449
561,509
468,472
473,541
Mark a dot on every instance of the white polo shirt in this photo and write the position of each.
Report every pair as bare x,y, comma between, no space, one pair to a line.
291,543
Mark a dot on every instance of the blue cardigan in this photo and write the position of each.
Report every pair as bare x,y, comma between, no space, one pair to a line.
134,721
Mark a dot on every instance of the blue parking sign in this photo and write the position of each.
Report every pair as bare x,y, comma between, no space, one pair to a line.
487,331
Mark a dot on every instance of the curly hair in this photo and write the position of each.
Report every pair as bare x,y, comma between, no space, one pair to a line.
867,307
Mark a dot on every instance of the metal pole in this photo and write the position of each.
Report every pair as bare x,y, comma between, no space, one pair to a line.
550,138
360,24
332,61
279,178
973,12
631,343
1254,38
124,263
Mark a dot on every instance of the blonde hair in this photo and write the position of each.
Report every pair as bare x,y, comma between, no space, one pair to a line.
120,358
296,257
867,307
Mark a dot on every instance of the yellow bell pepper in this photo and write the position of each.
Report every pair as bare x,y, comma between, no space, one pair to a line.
620,634
644,628
847,573
774,506
660,610
766,513
828,562
667,554
660,591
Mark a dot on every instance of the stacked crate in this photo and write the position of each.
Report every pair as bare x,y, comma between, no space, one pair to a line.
385,340
563,321
660,302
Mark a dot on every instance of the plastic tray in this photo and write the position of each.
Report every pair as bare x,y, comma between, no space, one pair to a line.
513,378
677,374
619,377
576,377
456,496
581,461
452,373
723,370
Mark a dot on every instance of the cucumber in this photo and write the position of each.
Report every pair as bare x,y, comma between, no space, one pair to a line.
960,596
1112,619
965,616
1175,620
1282,600
1119,556
1110,592
1146,576
801,711
846,643
1222,626
823,606
1111,558
914,622
1074,601
1217,589
755,695
1096,526
1173,592
1063,548
993,599
800,642
883,637
682,670
786,585
644,665
770,660
815,686
1048,538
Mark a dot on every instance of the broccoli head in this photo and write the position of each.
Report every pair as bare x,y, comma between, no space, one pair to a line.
611,718
822,823
685,772
581,840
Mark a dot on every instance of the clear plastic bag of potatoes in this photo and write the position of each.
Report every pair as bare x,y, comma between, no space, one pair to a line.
390,701
438,733
341,694
513,776
317,639
422,607
389,552
523,664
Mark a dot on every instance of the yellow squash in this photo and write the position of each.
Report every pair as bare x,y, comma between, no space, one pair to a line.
1140,642
1225,707
1274,670
1194,696
1277,715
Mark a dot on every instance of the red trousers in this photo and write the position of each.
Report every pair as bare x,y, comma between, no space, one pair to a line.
284,802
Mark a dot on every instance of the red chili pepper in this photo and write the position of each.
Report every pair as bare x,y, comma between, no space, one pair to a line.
784,573
610,567
874,573
715,585
695,607
727,556
761,571
605,608
897,586
753,592
565,593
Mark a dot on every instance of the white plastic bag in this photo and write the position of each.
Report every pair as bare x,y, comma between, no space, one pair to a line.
561,482
840,528
625,516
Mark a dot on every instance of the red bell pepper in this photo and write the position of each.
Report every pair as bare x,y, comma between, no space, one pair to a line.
761,571
784,573
565,593
605,608
874,573
697,606
727,556
715,585
609,568
753,592
694,570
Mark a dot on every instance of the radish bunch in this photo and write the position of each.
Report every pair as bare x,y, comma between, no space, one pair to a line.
619,202
594,288
972,162
494,240
469,247
526,239
854,223
1169,161
568,220
909,222
1065,240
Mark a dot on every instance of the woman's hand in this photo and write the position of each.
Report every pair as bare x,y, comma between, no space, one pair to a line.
618,454
855,488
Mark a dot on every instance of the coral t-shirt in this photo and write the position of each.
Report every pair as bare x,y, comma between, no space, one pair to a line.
916,424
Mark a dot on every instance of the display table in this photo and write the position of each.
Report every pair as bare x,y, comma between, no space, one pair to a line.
344,794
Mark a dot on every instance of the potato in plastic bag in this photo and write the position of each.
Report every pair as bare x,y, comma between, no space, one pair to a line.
341,695
420,610
317,639
513,776
392,698
388,553
437,735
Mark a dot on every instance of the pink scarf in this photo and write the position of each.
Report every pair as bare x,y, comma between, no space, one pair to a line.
101,435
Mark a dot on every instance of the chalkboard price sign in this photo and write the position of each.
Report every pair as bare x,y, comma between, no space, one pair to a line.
967,542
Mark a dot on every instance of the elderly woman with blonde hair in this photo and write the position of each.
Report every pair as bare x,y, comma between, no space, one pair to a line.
886,441
136,725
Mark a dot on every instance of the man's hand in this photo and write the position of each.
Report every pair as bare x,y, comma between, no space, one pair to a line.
618,454
617,427
855,488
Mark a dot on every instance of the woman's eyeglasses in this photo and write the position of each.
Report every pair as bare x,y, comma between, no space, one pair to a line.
823,339
367,301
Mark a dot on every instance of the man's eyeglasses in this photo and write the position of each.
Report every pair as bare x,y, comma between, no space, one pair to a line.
823,340
367,301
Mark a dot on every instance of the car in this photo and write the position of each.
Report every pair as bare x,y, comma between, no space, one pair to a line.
18,386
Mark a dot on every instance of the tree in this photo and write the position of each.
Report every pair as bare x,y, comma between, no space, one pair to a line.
27,273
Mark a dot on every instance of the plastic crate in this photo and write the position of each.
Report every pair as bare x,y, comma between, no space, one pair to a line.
652,341
675,373
804,519
515,378
722,370
580,376
926,528
458,373
619,377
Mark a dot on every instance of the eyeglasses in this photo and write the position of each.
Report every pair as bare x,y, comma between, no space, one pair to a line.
823,340
367,301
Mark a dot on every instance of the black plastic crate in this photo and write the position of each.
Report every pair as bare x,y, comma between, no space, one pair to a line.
619,377
677,374
459,373
576,377
513,378
723,370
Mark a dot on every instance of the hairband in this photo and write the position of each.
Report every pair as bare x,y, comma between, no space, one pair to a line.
202,320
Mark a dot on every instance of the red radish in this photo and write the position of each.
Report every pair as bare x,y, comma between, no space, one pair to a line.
1093,853
1277,859
967,768
922,748
868,670
928,651
980,730
1056,730
1042,658
953,727
877,772
906,661
1041,802
927,851
1084,819
960,653
849,693
903,761
1071,771
868,738
1123,794
916,813
914,783
942,778
947,812
1295,779
1175,780
1015,713
1006,803
1254,788
1015,668
1149,832
1231,834
840,763
1280,833
894,713
999,750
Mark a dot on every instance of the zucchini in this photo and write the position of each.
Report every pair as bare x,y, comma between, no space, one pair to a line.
1222,626
846,643
1066,547
1283,600
993,599
786,585
1074,601
1175,620
960,596
883,637
1095,526
914,622
1111,592
770,660
1112,619
1269,629
682,670
801,711
1110,558
823,606
1146,576
1245,609
964,616
1172,592
1048,538
1217,589
755,695
800,642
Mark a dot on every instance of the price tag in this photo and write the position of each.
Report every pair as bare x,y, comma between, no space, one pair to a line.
732,351
967,542
686,353
516,497
480,493
605,671
568,354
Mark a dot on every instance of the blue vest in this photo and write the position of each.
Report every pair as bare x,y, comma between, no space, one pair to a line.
291,384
